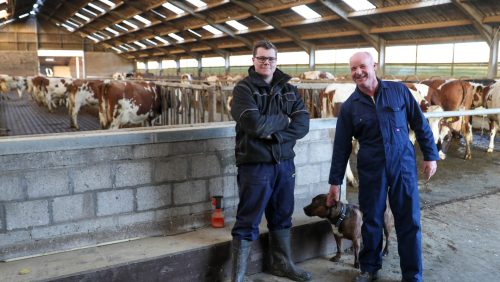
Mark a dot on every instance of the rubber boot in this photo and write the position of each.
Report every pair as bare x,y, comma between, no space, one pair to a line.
241,250
281,257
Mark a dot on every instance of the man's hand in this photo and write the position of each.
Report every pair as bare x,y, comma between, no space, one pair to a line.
429,168
333,196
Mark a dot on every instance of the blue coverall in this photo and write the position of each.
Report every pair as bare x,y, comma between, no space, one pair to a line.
386,158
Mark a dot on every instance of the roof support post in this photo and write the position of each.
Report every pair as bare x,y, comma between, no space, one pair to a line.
226,64
200,67
178,66
381,58
312,58
493,63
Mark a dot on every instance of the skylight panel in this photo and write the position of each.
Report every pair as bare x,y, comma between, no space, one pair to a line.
237,25
82,17
197,3
93,38
112,31
151,42
68,27
130,24
162,40
97,8
123,47
212,29
121,27
140,44
142,19
306,12
3,1
24,15
194,32
176,37
90,12
359,5
173,8
109,3
116,49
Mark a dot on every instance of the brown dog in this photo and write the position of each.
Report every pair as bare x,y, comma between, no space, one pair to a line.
346,220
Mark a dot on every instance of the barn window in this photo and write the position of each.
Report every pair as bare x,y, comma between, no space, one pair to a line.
359,5
306,12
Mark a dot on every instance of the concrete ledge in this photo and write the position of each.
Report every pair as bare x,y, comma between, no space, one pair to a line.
202,255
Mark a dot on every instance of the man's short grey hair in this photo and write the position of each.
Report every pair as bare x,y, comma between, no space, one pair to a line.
266,44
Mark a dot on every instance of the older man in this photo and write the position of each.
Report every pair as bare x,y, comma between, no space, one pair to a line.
378,114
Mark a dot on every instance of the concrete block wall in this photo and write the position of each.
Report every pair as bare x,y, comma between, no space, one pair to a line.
74,190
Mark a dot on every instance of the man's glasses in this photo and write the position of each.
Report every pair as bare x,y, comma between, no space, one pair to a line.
264,59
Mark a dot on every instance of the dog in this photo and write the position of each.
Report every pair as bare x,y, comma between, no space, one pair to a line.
346,221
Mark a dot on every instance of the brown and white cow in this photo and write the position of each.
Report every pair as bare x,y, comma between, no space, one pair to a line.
456,95
82,93
124,103
39,88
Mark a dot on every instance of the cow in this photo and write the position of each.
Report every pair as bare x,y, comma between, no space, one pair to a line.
82,93
119,76
316,75
455,95
38,89
4,87
493,101
123,103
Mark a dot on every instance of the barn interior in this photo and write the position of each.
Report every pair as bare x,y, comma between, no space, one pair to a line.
134,204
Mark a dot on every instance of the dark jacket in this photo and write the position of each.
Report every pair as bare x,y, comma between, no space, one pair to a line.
269,118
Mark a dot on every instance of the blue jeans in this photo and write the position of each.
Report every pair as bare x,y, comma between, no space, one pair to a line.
264,187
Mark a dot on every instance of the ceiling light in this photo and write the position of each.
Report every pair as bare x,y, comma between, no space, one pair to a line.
93,38
49,59
140,44
116,49
109,3
112,31
159,14
194,32
130,47
99,36
359,5
123,47
90,12
162,40
68,27
130,24
121,27
72,23
82,17
24,15
6,22
237,25
197,3
173,8
97,8
142,19
212,29
176,37
151,42
306,12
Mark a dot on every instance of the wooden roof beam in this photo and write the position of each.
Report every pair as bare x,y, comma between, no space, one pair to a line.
485,30
210,21
270,21
364,29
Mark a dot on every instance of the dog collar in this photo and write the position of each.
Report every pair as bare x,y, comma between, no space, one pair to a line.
341,216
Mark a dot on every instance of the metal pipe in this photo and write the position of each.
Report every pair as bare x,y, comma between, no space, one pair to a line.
477,112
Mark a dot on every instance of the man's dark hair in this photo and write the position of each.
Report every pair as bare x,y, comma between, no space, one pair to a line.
264,44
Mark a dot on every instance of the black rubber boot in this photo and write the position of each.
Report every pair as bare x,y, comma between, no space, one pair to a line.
241,250
281,257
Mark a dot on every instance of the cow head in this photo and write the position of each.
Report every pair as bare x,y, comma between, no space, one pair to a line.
4,88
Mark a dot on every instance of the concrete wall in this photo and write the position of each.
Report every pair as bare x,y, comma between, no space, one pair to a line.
82,189
104,64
